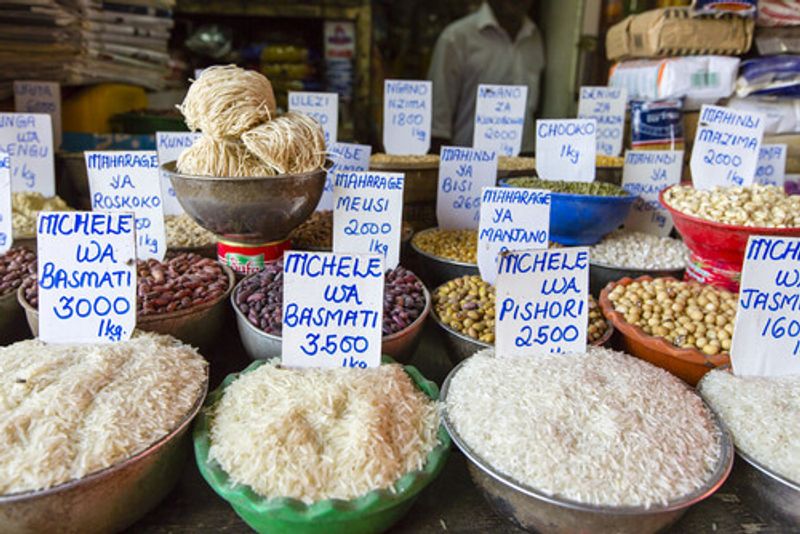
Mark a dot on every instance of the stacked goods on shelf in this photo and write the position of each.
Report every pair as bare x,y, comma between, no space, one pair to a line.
671,60
289,68
86,41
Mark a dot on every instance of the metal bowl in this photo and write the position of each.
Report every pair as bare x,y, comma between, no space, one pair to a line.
435,270
461,346
199,326
248,210
108,500
535,511
770,495
601,275
260,345
12,319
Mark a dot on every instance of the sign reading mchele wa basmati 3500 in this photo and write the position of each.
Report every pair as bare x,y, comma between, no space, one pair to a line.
332,309
86,276
542,301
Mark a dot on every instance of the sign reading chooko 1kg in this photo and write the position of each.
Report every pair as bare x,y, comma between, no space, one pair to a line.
766,337
542,301
86,276
332,310
566,149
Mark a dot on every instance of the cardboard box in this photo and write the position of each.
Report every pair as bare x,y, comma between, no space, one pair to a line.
673,31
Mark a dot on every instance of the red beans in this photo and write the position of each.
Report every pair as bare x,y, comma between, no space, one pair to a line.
180,282
15,265
260,299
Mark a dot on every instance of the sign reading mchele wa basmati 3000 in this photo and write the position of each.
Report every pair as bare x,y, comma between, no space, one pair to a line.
86,276
332,309
542,301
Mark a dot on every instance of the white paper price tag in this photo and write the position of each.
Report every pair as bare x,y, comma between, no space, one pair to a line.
322,107
130,181
332,310
771,167
6,226
500,118
645,174
766,335
407,116
566,149
346,157
726,147
40,97
606,105
169,146
28,139
367,214
86,276
511,219
542,301
463,173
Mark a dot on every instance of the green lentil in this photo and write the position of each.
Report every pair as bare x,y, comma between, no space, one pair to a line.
596,189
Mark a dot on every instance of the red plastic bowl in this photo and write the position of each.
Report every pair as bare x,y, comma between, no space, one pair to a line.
710,240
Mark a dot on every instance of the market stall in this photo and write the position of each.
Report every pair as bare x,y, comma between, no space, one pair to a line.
263,324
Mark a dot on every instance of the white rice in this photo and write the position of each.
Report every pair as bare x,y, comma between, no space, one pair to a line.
69,410
600,428
763,414
315,434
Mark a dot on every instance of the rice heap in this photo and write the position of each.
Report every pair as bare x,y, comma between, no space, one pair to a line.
70,410
242,137
599,428
322,433
763,414
25,208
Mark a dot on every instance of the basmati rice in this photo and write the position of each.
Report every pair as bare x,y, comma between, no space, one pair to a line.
314,434
763,414
599,428
69,410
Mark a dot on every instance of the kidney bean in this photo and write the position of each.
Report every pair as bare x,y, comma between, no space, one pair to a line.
15,266
180,282
260,299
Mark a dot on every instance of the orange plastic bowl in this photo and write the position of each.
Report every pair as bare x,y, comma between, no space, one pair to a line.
717,241
687,364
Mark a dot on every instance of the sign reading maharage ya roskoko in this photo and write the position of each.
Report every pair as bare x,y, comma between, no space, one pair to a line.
86,276
332,309
542,301
130,181
766,336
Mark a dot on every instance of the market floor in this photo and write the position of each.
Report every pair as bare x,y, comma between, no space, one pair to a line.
449,504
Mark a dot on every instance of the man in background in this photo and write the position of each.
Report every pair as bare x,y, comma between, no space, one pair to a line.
497,44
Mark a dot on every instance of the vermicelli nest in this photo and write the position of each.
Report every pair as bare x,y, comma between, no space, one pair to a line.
227,101
291,143
222,158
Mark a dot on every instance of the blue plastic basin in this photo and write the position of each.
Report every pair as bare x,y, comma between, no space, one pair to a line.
577,220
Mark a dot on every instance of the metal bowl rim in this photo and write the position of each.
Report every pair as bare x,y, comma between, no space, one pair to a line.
721,472
391,337
440,259
11,498
794,486
636,270
167,168
231,276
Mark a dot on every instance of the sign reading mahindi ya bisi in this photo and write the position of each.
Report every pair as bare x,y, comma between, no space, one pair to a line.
332,310
766,335
463,173
511,219
86,276
542,301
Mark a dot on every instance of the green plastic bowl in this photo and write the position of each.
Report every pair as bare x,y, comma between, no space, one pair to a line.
374,512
